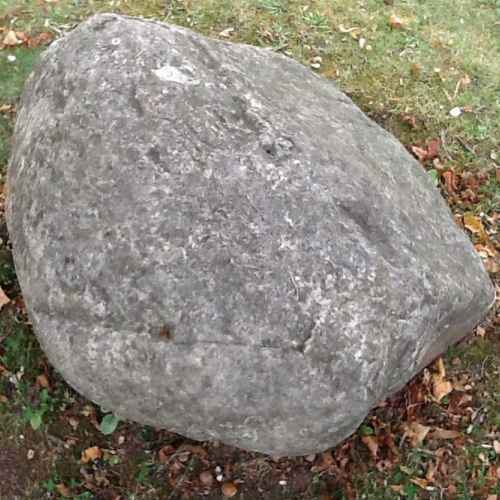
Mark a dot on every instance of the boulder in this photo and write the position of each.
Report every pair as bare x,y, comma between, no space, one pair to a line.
212,239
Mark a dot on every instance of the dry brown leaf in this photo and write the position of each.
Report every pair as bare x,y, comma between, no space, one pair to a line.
11,40
63,490
480,331
439,433
165,452
7,108
229,489
91,454
433,148
486,250
441,388
397,22
42,381
195,450
474,225
372,445
420,153
4,300
422,483
417,433
441,371
492,266
431,471
41,39
450,181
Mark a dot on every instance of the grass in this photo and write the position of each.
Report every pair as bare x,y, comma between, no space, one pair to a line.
446,55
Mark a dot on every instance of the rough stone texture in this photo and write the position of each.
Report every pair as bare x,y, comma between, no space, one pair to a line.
212,239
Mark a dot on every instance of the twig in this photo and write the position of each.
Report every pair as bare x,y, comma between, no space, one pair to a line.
181,479
443,142
465,146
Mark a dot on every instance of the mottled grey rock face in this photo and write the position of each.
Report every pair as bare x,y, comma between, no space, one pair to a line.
212,239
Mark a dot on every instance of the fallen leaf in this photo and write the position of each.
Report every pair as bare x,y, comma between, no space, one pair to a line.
396,22
474,225
11,40
480,331
430,151
417,433
433,148
109,424
431,471
470,181
42,381
3,299
165,452
398,488
195,450
41,39
372,445
422,483
91,454
441,371
439,433
440,386
63,490
229,489
450,181
420,153
7,108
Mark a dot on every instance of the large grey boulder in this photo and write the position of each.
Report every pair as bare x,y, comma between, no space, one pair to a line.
212,239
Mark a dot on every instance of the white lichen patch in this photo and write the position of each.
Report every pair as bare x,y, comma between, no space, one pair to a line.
176,75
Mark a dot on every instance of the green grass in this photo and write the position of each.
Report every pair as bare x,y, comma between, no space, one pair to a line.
393,75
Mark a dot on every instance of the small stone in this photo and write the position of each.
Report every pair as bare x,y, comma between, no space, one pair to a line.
315,65
455,112
11,58
30,455
282,482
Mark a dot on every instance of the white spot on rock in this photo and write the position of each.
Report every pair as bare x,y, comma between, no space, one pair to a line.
173,74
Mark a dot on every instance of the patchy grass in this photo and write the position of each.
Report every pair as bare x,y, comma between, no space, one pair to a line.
445,55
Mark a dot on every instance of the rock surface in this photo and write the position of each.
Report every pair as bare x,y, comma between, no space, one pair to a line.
212,239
